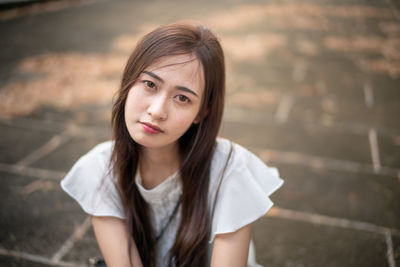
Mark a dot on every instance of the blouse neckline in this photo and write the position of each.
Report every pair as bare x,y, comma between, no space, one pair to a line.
168,190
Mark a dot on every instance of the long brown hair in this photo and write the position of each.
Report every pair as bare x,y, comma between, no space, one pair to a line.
196,146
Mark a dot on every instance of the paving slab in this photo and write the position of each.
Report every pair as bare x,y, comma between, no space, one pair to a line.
94,116
344,146
18,262
330,110
62,158
262,101
291,243
88,115
338,75
270,53
16,143
396,249
389,150
333,94
354,196
385,89
386,101
35,215
387,112
69,25
84,248
49,114
91,120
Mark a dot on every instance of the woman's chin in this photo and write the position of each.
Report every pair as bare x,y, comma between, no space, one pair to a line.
153,143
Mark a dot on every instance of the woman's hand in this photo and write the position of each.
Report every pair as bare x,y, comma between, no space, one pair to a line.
113,239
232,249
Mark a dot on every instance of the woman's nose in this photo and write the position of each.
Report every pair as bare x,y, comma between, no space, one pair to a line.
158,108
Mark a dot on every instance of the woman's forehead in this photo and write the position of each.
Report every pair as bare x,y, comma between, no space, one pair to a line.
175,60
187,65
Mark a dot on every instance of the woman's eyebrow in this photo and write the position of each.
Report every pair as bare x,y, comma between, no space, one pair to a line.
185,89
153,75
181,88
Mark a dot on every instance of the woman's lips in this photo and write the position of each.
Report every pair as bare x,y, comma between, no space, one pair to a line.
151,128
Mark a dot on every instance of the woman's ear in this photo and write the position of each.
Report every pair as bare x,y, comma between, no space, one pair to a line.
200,116
197,119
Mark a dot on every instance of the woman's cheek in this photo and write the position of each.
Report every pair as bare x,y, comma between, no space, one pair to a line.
135,100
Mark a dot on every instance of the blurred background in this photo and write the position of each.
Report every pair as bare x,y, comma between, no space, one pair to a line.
313,88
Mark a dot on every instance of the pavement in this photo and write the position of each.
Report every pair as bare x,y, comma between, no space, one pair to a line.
313,89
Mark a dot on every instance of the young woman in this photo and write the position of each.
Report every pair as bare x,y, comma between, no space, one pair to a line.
166,191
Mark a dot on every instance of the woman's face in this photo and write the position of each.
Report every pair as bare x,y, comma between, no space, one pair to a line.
165,101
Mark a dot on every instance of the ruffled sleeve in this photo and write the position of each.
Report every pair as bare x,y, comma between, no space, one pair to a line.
244,192
91,183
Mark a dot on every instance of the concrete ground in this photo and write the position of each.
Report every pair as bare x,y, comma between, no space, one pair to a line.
313,88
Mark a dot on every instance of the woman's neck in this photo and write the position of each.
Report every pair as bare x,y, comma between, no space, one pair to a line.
157,164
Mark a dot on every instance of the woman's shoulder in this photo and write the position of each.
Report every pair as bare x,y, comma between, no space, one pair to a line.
102,150
243,183
238,163
97,158
91,182
234,154
224,146
93,163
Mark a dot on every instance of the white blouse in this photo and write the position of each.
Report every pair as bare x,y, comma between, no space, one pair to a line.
243,195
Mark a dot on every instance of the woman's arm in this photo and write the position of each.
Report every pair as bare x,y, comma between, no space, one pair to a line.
113,239
231,250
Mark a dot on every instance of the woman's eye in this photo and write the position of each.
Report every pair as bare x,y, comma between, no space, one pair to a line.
150,84
183,98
